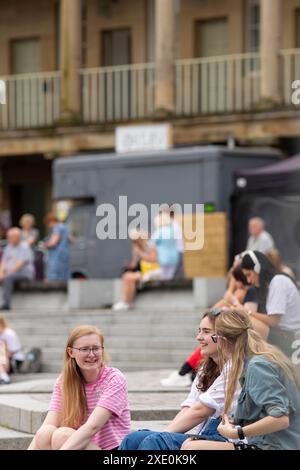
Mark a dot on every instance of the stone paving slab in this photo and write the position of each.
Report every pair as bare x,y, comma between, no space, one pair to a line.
23,405
145,381
26,412
153,425
14,440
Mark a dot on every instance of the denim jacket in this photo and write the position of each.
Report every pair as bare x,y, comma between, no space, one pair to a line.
268,391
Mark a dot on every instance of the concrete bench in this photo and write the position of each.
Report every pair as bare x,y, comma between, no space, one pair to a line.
41,286
39,295
174,294
172,284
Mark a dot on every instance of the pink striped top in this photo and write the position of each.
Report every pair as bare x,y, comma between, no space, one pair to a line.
109,391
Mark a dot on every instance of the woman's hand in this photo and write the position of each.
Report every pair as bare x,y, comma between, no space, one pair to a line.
227,429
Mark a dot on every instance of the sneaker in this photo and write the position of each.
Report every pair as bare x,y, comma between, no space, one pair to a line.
4,378
176,380
120,306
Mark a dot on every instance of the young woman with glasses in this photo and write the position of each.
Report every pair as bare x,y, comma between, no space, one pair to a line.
89,406
202,407
267,415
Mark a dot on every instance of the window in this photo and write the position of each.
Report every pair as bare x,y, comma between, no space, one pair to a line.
211,37
25,56
116,47
253,25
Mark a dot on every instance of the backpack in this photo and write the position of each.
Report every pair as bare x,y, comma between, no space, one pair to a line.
32,362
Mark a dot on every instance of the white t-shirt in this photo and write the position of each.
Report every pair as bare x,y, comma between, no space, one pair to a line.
284,299
13,344
212,398
264,242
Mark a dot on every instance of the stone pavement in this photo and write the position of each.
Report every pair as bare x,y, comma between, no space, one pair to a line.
23,404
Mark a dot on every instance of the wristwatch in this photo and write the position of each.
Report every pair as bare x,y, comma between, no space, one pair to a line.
240,432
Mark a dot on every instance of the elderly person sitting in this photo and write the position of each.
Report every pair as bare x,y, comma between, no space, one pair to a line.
16,264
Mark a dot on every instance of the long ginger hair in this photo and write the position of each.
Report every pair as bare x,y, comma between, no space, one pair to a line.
240,342
74,404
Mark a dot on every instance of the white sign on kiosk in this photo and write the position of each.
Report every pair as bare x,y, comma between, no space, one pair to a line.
145,138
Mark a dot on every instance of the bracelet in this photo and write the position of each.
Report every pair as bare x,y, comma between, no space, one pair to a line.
240,432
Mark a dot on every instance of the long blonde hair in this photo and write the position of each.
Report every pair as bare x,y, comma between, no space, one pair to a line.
74,399
241,342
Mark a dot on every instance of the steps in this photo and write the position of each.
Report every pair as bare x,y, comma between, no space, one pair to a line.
135,340
23,405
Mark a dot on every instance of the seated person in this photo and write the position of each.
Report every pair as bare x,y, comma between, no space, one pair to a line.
144,254
16,264
12,354
200,412
242,293
159,259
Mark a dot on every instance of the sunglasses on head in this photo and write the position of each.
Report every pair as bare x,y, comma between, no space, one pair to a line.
215,312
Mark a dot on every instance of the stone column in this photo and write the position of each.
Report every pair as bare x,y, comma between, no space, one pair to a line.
270,47
70,58
165,55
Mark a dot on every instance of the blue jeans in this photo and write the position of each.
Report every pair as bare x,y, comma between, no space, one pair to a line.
152,440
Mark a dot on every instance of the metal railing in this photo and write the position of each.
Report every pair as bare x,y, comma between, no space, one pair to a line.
32,101
223,84
290,72
120,93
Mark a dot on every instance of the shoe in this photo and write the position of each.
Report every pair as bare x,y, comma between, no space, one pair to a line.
121,306
4,307
176,380
4,379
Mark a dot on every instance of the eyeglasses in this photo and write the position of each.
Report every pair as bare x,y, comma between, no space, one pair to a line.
86,350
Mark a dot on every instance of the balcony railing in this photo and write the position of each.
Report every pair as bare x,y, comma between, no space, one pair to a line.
33,100
214,85
120,93
290,71
224,84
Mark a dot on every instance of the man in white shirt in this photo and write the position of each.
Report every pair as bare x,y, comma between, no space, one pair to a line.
259,239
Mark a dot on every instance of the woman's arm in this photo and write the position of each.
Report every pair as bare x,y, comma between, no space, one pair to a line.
268,319
53,241
191,417
82,436
175,419
151,256
266,425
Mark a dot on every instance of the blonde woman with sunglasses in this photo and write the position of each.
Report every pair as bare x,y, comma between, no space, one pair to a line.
267,415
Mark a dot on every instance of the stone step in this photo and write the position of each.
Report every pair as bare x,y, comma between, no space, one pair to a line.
121,330
140,319
26,412
152,425
174,342
14,440
117,354
124,366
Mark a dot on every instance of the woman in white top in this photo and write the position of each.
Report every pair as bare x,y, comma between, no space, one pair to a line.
278,300
203,406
